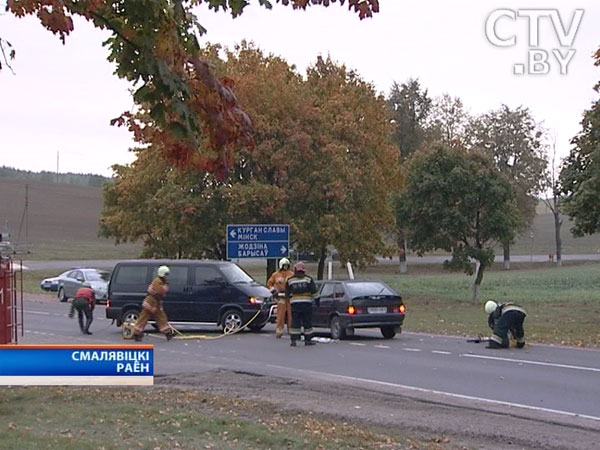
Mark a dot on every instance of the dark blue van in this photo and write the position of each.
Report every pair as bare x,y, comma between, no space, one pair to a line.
200,291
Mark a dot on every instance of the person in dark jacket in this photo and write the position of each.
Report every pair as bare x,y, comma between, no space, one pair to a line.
300,288
84,302
504,318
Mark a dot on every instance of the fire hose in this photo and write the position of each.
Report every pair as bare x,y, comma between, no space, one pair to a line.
180,335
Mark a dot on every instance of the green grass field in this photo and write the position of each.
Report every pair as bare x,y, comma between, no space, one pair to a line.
161,418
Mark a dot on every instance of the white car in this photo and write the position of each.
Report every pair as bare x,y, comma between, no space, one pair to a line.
69,282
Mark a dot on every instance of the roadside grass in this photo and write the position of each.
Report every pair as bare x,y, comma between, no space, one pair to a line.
68,249
563,304
32,279
166,418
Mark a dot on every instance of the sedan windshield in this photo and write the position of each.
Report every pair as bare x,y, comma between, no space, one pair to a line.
235,274
368,289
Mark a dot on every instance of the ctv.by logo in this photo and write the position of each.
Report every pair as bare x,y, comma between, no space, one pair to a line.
539,60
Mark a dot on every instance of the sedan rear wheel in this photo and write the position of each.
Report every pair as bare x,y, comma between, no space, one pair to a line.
337,332
388,332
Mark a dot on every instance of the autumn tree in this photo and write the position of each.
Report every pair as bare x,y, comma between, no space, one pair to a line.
321,163
409,106
341,179
196,118
456,200
514,141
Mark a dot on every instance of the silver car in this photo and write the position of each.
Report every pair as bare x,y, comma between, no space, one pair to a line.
69,282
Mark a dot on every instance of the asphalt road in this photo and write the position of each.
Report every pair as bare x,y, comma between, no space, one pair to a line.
553,380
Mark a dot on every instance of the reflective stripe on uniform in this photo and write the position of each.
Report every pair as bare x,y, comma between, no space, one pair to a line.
513,308
496,339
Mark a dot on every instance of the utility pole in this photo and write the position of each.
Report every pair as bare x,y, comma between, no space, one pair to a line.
57,156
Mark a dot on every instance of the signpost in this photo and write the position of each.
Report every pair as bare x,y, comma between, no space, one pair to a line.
258,241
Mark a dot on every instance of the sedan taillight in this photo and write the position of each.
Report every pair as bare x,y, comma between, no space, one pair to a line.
351,310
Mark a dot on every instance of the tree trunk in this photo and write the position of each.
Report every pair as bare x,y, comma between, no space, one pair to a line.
557,224
321,267
271,267
506,248
477,284
402,252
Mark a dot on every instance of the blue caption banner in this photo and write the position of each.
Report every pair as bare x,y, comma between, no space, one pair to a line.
100,364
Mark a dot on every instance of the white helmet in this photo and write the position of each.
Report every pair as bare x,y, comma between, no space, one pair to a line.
283,262
163,271
490,307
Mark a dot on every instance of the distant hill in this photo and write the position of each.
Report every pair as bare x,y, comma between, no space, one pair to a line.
62,221
76,179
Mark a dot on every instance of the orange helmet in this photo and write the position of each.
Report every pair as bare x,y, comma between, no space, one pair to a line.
299,267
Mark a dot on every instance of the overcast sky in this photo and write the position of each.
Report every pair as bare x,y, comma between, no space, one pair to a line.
62,97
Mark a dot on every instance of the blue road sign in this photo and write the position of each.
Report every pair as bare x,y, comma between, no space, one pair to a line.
258,241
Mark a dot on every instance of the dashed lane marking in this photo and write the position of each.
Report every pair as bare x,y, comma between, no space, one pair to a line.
412,349
360,344
382,346
439,352
537,363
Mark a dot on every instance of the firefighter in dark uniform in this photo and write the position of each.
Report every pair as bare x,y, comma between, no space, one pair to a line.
84,302
300,289
504,318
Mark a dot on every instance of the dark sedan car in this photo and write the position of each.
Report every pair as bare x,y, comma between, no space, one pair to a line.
343,306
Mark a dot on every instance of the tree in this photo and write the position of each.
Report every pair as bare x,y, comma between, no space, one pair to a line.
322,163
448,121
456,200
409,107
342,176
580,174
195,116
514,141
551,184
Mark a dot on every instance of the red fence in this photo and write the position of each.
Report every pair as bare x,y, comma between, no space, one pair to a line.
11,301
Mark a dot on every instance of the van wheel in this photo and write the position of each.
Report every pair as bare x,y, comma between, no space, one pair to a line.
130,315
61,295
388,332
337,332
231,321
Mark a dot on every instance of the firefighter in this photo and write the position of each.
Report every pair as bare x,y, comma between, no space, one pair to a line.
276,283
300,288
504,318
152,306
84,302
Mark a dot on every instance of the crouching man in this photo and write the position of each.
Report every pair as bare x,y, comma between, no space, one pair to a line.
504,318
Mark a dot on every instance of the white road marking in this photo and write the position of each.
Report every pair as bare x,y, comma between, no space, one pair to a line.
360,344
37,312
449,394
382,346
412,349
439,352
537,363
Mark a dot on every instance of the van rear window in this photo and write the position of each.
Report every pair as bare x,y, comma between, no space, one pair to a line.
131,275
